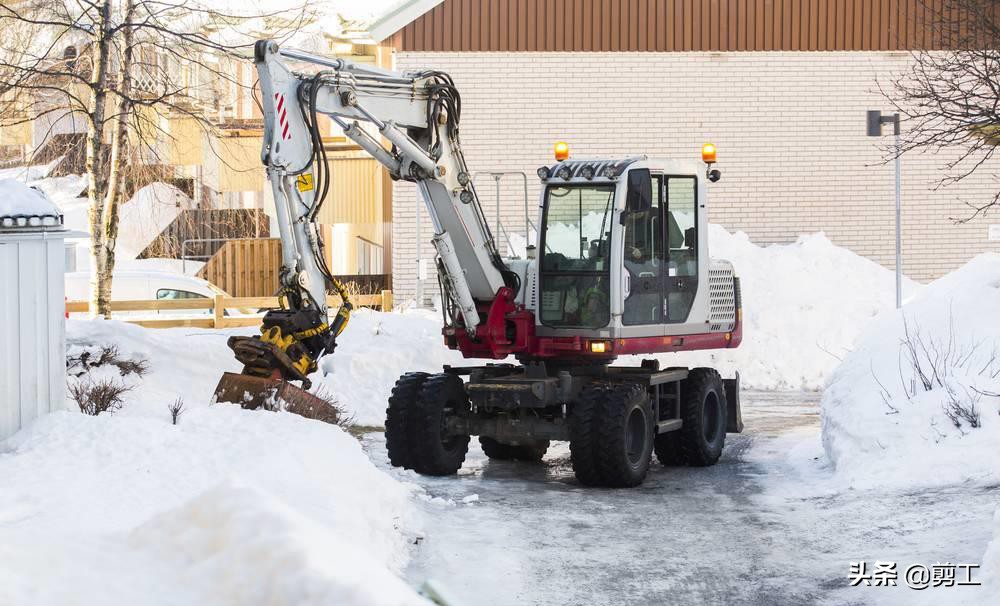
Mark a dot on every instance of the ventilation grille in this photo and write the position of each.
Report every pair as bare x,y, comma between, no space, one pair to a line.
722,299
531,292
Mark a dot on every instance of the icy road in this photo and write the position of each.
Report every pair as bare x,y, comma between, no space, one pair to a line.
767,525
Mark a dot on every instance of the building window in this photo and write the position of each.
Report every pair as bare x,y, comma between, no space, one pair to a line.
369,257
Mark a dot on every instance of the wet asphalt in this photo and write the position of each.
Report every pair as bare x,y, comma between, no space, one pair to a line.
753,529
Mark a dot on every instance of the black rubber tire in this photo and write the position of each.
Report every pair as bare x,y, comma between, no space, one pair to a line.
625,428
665,447
397,417
498,451
702,436
531,452
431,452
583,434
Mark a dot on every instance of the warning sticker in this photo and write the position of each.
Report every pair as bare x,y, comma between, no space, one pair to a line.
304,182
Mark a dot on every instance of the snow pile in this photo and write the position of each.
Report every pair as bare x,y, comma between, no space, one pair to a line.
374,351
17,199
804,305
811,297
917,402
991,563
226,507
218,537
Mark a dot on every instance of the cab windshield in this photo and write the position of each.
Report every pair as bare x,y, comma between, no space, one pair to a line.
576,244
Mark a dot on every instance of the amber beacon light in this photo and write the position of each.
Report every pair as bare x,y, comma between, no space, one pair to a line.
708,153
562,151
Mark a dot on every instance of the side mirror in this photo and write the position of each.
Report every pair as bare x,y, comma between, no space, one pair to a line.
640,191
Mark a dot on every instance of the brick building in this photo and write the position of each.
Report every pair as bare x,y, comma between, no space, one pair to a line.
781,86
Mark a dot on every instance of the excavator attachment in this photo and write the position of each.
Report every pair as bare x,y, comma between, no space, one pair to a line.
287,349
252,392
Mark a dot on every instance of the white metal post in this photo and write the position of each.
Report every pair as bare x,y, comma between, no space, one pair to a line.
875,120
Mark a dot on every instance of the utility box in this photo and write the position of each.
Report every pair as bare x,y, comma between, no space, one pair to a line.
32,307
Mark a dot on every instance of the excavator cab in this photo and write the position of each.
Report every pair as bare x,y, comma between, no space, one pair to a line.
620,255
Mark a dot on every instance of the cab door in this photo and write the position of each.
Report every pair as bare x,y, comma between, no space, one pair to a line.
680,243
644,258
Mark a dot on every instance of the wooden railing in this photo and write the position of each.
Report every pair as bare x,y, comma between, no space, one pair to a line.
218,306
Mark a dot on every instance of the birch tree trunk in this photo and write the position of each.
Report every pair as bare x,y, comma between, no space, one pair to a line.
116,160
100,278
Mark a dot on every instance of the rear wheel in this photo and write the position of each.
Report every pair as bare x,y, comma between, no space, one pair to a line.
702,435
397,417
531,450
433,450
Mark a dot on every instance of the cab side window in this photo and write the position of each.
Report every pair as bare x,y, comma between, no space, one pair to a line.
681,281
643,239
682,231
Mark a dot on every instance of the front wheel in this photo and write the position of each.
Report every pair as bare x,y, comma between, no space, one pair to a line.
433,450
398,418
611,435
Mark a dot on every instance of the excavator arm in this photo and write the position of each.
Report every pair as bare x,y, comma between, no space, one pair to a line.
409,123
417,115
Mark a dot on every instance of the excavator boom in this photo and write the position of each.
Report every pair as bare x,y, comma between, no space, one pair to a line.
417,116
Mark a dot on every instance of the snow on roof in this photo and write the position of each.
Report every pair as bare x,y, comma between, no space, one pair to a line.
23,206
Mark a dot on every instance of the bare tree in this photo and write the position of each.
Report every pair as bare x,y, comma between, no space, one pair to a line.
950,96
121,67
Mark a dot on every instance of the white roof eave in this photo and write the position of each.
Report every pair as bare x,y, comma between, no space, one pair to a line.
399,17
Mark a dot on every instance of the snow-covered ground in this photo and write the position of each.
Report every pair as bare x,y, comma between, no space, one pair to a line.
227,507
128,508
374,351
917,402
916,406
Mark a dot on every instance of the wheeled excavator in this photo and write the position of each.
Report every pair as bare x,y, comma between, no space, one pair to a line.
619,266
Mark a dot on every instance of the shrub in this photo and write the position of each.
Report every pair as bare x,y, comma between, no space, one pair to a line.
95,397
105,355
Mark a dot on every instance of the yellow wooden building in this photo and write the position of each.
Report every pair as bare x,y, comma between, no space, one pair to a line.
218,154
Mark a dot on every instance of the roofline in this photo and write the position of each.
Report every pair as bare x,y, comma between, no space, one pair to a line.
399,17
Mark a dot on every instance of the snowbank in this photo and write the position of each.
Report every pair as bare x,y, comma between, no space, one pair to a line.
227,507
804,305
17,199
991,563
915,404
374,351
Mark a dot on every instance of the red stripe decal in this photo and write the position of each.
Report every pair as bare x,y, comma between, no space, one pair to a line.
284,133
281,103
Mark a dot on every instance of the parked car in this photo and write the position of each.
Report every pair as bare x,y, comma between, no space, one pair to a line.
145,285
134,285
